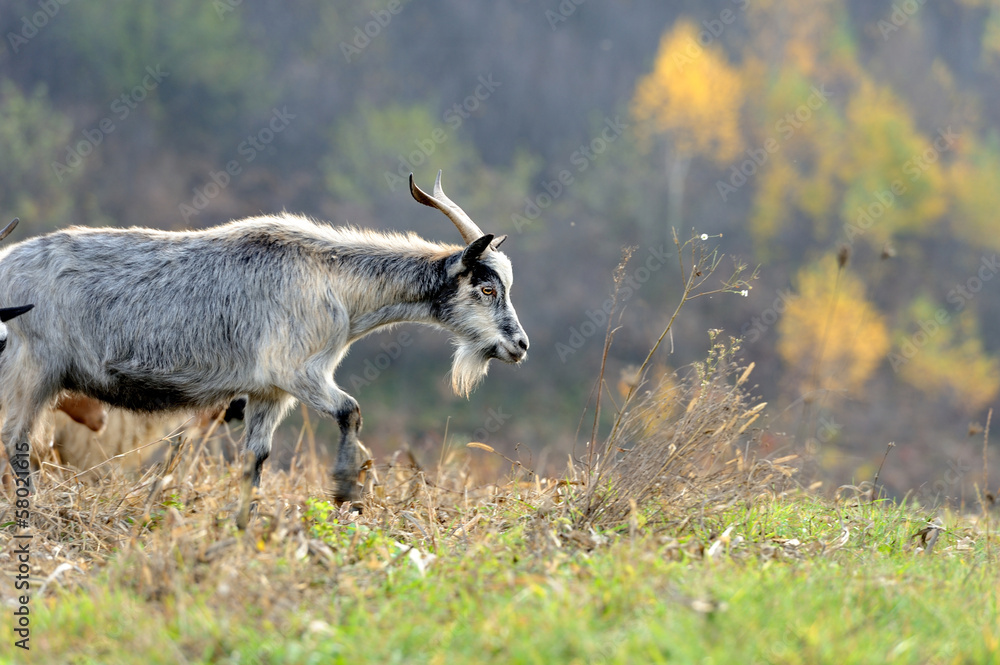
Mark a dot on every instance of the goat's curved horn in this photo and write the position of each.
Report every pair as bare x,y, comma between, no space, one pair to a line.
10,227
468,228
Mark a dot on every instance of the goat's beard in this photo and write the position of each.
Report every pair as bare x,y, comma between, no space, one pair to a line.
468,367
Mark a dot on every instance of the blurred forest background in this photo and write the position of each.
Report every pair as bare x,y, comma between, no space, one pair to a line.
796,130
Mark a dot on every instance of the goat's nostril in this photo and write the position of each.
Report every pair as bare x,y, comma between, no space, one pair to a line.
523,343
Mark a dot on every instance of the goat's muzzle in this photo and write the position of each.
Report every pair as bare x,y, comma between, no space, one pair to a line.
512,352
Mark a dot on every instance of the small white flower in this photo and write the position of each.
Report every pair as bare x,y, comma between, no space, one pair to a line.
704,236
744,293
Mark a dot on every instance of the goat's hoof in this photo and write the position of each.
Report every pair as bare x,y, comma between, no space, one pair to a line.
345,490
351,499
246,514
343,497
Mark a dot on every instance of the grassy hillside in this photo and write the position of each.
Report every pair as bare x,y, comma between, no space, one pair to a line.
497,574
673,539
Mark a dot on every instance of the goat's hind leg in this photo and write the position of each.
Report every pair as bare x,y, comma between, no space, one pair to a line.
262,417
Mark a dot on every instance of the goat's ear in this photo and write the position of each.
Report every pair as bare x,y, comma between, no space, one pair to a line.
497,242
476,249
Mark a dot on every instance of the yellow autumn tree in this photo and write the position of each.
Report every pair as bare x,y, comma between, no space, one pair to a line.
990,45
690,103
974,180
693,95
799,59
892,173
940,353
799,178
991,36
830,335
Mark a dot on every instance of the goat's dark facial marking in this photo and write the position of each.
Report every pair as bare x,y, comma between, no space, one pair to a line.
6,314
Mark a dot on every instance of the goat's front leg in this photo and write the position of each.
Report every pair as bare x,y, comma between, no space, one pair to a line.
23,407
23,466
345,471
329,400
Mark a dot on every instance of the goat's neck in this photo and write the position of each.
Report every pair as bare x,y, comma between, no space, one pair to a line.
393,289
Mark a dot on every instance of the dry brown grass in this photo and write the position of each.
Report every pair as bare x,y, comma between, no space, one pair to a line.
678,442
684,445
174,526
174,581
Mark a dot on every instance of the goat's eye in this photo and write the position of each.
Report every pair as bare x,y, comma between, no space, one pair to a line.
489,291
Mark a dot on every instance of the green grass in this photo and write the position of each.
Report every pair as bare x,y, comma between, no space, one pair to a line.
776,589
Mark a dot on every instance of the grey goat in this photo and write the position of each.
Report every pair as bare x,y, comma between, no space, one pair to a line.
264,307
